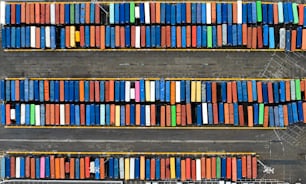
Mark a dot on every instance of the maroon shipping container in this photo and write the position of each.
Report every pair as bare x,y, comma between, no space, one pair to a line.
143,36
42,13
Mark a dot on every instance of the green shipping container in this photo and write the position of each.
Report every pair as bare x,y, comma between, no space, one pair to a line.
261,113
259,11
298,89
295,13
173,115
32,117
132,12
209,37
218,167
71,13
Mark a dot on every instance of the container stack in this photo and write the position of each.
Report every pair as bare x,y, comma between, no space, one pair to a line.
153,25
132,167
152,103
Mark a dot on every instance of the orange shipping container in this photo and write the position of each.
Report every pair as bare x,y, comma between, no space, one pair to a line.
259,92
157,8
23,13
194,36
168,36
62,13
245,34
234,169
228,167
98,36
32,13
57,168
259,36
37,37
67,114
71,173
254,37
168,115
102,169
62,90
213,167
178,114
250,93
208,168
82,36
304,39
162,116
42,13
48,114
183,170
172,92
235,19
57,114
249,166
46,90
226,113
304,111
250,116
122,37
102,37
17,90
188,12
214,92
97,91
270,92
215,111
93,37
113,114
91,91
254,167
87,13
266,116
32,168
27,13
52,167
203,167
288,94
13,167
163,36
82,168
127,114
241,115
152,169
244,166
8,114
301,14
133,28
37,13
111,90
183,113
285,109
219,35
97,13
162,168
153,114
52,114
13,13
137,121
213,13
188,36
229,92
275,13
188,114
178,37
231,113
143,36
62,168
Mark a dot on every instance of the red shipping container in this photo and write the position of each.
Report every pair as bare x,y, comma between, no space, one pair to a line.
168,115
288,94
133,29
62,90
97,91
194,36
203,167
87,13
188,114
254,167
275,13
42,13
82,114
178,115
213,167
153,115
67,167
270,92
82,168
37,37
234,91
152,13
231,113
168,36
102,169
254,38
285,110
57,114
167,168
91,91
113,114
67,36
13,166
152,169
244,166
259,92
235,19
188,168
48,120
117,36
32,165
37,13
27,167
127,114
82,36
52,167
266,116
102,37
245,35
193,170
293,40
62,13
122,37
13,13
47,20
17,90
46,90
249,167
143,36
219,35
72,165
23,13
8,114
188,12
250,116
241,115
52,114
259,36
111,90
234,169
28,13
32,13
93,37
304,111
226,113
163,36
228,167
250,93
57,13
301,14
97,13
214,92
213,13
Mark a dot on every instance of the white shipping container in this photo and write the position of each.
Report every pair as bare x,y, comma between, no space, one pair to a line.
48,36
221,182
62,114
92,167
147,90
132,168
152,94
132,93
22,114
204,113
52,13
208,13
137,37
239,11
292,89
148,115
37,115
121,168
198,169
282,38
178,91
102,114
127,91
147,12
33,44
13,114
112,13
280,12
17,167
2,12
137,12
224,34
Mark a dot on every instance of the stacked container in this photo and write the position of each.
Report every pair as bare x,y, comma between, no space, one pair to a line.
131,167
158,102
152,25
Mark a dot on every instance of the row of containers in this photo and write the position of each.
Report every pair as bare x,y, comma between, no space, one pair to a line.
130,167
154,115
154,36
252,25
148,102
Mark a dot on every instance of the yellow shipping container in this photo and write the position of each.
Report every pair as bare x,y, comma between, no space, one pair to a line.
172,168
193,91
72,36
198,98
148,90
77,36
117,119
